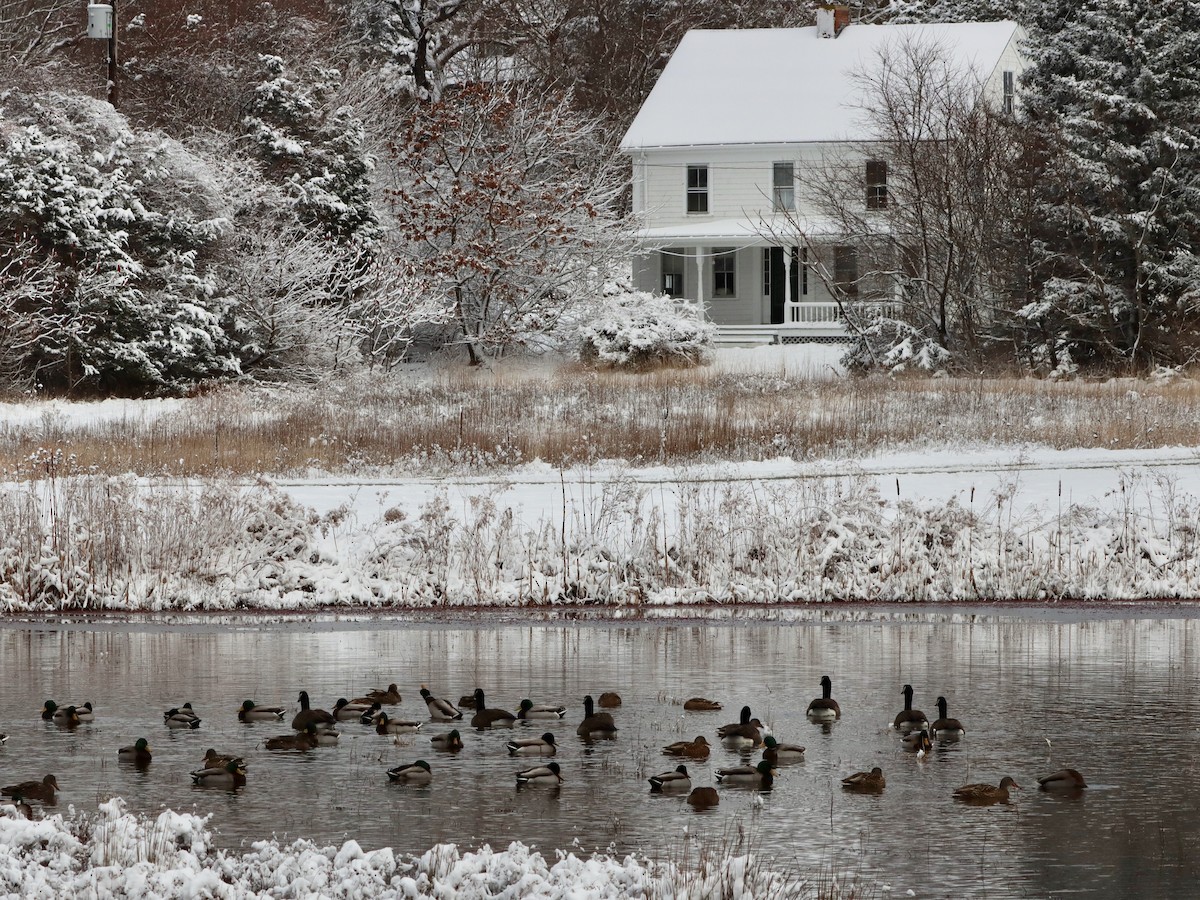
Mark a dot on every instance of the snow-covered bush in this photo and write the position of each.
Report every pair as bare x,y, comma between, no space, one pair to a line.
637,330
889,345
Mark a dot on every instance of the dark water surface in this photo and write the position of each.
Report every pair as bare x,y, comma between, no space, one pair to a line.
1113,696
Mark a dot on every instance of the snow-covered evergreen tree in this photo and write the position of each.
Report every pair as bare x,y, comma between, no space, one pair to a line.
317,150
1119,90
122,220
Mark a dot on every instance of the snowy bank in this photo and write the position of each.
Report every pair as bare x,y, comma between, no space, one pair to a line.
116,854
598,539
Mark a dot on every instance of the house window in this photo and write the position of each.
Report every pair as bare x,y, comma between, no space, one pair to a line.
697,189
783,186
1010,92
672,262
724,272
845,270
877,192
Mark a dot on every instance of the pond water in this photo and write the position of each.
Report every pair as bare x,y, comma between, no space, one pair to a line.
1111,695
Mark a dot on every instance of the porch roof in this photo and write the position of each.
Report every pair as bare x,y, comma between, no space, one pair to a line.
734,232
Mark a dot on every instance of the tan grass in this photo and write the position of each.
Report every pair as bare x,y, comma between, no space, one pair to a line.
471,419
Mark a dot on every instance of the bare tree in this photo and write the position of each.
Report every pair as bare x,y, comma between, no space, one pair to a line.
938,201
33,31
504,200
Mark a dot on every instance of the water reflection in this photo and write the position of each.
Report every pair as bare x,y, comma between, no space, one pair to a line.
1035,693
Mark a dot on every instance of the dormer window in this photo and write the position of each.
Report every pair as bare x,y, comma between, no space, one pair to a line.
1010,92
783,186
697,189
877,192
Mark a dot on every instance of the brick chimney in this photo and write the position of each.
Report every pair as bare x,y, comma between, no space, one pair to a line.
831,19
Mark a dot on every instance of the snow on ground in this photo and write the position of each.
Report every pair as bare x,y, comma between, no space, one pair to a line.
116,854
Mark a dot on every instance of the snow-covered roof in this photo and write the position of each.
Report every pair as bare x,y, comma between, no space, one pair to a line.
787,85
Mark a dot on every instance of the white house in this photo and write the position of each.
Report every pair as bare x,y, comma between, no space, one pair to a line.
721,148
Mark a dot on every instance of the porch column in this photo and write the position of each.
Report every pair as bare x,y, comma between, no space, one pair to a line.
787,278
700,251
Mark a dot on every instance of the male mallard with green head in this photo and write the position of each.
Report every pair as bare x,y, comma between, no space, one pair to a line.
549,774
1062,780
440,710
528,711
778,753
543,746
252,712
138,754
384,724
762,775
450,741
414,773
679,780
229,776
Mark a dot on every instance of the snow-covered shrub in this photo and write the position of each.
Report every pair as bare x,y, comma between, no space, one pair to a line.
889,345
638,330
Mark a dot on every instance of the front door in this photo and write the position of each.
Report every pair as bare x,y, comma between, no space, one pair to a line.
776,274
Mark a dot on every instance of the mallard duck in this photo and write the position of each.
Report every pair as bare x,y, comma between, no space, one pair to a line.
986,794
595,725
866,782
327,736
385,724
309,716
775,752
345,711
231,775
372,714
909,719
18,805
3,738
701,704
1062,780
440,710
824,708
414,773
745,733
450,741
138,754
547,774
697,749
252,712
42,791
704,798
945,728
609,700
66,716
489,718
528,711
85,712
301,740
543,746
762,775
390,697
917,742
181,717
679,780
214,760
